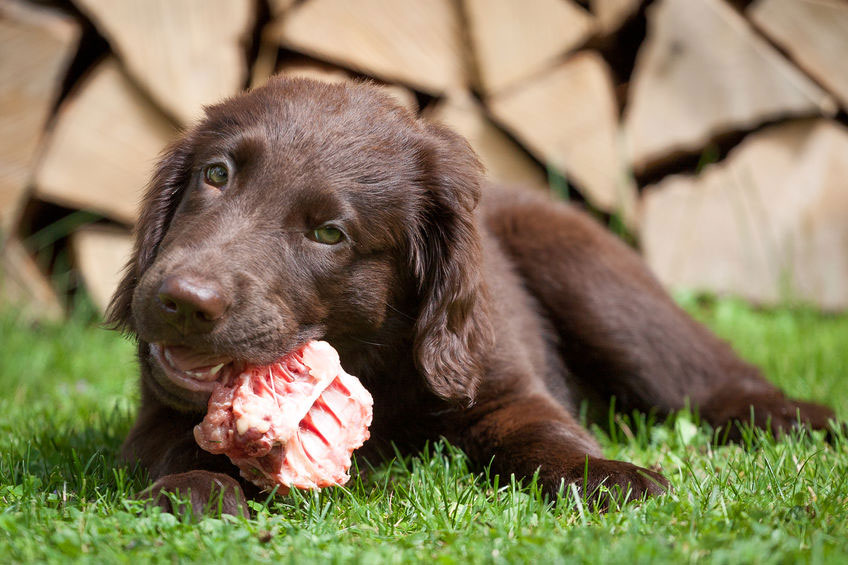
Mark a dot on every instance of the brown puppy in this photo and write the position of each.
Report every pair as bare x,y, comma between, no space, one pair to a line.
306,211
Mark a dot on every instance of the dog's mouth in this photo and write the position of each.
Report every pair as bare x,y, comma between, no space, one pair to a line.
189,369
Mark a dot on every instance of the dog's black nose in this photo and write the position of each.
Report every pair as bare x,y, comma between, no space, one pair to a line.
192,304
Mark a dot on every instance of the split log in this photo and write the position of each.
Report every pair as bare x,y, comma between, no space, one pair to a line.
568,118
514,40
266,60
402,96
702,72
325,72
505,162
415,43
36,47
814,33
768,223
101,253
611,14
280,7
186,53
24,286
103,146
310,68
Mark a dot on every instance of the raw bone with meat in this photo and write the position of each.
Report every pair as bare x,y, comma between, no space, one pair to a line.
294,423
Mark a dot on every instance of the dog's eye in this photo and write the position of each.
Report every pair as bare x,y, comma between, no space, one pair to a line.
216,174
327,234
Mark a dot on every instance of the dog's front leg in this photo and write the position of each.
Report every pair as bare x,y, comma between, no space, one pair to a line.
162,442
524,435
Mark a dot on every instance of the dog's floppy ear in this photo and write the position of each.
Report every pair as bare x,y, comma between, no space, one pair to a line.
452,329
160,200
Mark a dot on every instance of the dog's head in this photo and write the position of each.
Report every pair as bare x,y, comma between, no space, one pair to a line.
301,211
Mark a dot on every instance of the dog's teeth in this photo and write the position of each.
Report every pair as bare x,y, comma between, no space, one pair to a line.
168,357
214,370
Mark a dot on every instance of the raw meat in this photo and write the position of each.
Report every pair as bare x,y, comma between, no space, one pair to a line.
293,423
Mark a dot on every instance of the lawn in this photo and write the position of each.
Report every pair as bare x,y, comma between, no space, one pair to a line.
68,399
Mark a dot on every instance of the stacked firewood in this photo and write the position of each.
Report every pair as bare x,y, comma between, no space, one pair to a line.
712,132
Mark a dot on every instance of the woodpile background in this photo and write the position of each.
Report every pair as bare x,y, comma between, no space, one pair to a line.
711,133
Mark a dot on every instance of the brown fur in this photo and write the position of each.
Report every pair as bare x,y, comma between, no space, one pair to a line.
469,312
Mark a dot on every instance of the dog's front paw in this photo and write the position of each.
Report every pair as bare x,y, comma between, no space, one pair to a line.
605,483
201,492
771,411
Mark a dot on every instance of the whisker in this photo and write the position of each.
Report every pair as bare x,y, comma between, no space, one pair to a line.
366,342
404,314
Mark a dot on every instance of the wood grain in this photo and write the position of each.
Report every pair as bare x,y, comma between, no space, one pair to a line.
407,41
767,223
185,53
702,72
814,33
515,40
36,46
568,118
103,147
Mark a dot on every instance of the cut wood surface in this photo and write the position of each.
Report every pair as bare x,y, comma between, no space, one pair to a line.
768,223
703,71
103,146
569,119
317,70
513,40
505,161
402,96
280,7
185,53
310,68
100,254
408,41
266,60
610,14
23,285
814,33
36,46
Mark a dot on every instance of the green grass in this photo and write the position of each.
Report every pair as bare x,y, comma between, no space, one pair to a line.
68,399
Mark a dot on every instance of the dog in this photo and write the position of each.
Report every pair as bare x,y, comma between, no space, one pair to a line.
303,210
